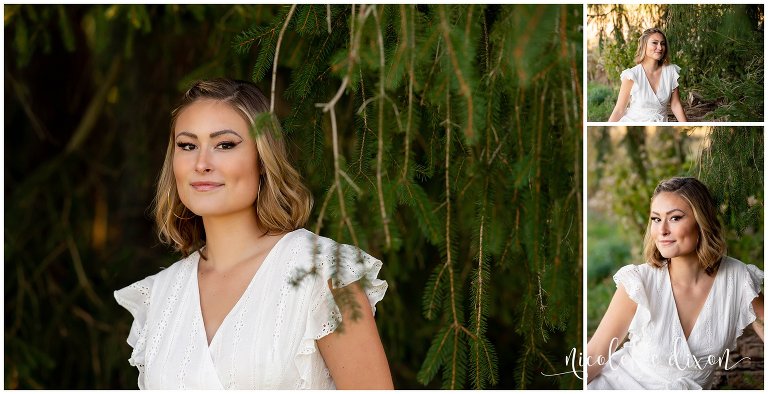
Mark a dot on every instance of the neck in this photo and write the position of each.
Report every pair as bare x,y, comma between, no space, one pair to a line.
231,239
686,269
650,64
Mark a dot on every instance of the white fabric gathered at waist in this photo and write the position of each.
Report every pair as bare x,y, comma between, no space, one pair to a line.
645,114
677,374
627,371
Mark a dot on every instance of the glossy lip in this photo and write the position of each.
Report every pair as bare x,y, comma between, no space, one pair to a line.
665,242
205,186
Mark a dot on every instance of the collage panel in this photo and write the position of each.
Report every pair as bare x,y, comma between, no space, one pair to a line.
675,229
675,63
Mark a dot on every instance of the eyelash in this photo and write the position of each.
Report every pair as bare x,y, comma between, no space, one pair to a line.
673,218
224,145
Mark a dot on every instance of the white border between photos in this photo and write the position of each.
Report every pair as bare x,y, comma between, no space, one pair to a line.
587,124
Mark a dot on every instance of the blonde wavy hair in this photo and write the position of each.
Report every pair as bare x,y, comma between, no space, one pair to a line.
711,246
283,202
643,43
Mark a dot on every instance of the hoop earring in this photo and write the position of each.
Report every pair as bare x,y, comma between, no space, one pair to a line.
179,217
174,213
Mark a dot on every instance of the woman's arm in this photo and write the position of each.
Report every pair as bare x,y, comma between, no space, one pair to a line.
355,356
611,331
622,100
677,106
758,324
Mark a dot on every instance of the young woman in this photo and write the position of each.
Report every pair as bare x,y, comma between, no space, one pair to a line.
228,315
651,85
683,308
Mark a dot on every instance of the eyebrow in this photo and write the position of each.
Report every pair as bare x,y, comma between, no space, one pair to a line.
670,211
212,135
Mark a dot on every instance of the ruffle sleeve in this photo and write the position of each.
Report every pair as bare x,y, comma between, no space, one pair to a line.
629,74
674,74
136,299
751,286
339,265
630,277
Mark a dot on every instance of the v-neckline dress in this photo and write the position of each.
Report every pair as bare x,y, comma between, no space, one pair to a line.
658,356
645,105
267,340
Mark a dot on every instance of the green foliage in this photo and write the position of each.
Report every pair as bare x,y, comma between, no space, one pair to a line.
600,100
599,294
443,139
607,248
732,167
619,56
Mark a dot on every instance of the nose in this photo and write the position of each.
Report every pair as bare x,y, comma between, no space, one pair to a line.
202,164
664,227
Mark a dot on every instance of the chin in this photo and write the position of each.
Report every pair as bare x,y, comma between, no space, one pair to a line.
667,254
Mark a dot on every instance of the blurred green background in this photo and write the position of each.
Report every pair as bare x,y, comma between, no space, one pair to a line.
474,154
719,48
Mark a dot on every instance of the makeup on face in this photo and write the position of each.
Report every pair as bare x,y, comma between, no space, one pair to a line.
673,226
215,161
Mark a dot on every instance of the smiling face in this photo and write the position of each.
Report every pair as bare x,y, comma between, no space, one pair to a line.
656,46
215,161
673,226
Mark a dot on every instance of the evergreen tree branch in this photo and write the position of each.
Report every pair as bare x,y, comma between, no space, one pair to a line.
479,295
434,356
575,77
449,260
365,122
277,55
464,87
328,16
355,36
454,360
431,72
380,147
466,331
337,178
351,182
411,79
546,360
434,291
321,215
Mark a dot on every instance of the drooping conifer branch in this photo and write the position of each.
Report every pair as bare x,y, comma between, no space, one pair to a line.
380,139
352,56
564,53
409,33
362,111
448,244
466,91
321,215
479,294
277,55
337,178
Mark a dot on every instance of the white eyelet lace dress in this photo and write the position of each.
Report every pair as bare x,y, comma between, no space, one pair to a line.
267,341
644,104
657,355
